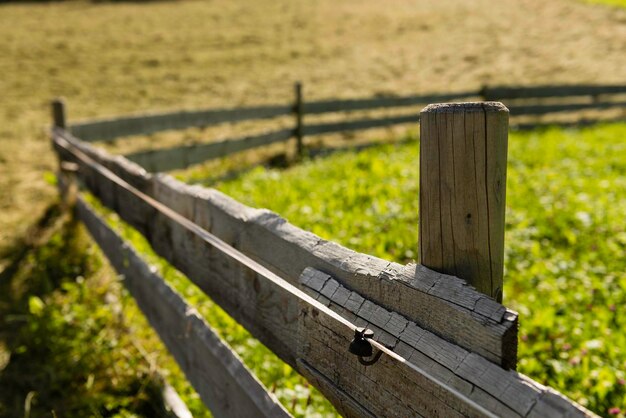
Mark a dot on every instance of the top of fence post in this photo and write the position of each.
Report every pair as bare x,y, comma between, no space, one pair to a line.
58,113
463,153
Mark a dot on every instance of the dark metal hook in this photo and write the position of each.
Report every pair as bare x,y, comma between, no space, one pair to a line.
360,347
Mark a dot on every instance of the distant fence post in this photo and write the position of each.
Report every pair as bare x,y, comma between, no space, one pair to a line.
58,113
484,93
463,153
298,112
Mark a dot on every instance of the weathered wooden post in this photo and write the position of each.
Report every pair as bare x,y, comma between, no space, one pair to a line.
58,113
66,175
298,112
463,152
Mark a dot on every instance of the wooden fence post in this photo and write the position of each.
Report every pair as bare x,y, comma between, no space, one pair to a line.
58,113
298,112
463,152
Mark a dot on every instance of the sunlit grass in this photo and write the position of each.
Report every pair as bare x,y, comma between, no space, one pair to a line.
70,352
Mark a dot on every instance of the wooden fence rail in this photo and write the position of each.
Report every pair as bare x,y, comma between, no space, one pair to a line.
177,157
106,129
504,92
447,349
187,155
330,106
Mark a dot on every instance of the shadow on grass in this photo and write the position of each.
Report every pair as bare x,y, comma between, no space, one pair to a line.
281,161
64,351
16,253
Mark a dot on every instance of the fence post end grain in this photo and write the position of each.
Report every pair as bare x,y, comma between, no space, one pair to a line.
58,113
463,153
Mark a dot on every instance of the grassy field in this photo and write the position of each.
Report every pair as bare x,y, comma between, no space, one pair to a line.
70,340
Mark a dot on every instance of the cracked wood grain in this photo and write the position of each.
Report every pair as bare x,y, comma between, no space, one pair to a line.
504,393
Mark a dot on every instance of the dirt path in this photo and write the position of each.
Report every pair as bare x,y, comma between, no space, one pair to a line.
115,58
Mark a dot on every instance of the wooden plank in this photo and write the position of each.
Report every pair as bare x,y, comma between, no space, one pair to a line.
359,124
343,401
442,304
543,109
106,129
184,156
503,393
338,105
552,404
521,92
223,382
463,151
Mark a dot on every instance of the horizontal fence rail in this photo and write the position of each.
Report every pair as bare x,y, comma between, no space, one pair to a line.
310,322
325,128
331,106
106,129
181,157
504,92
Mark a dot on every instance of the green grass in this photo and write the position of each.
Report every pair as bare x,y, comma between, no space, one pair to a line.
615,3
565,240
69,351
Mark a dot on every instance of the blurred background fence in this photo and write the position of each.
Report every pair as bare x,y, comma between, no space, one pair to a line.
528,106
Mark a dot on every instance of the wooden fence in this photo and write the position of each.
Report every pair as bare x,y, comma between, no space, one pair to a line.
434,345
521,101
